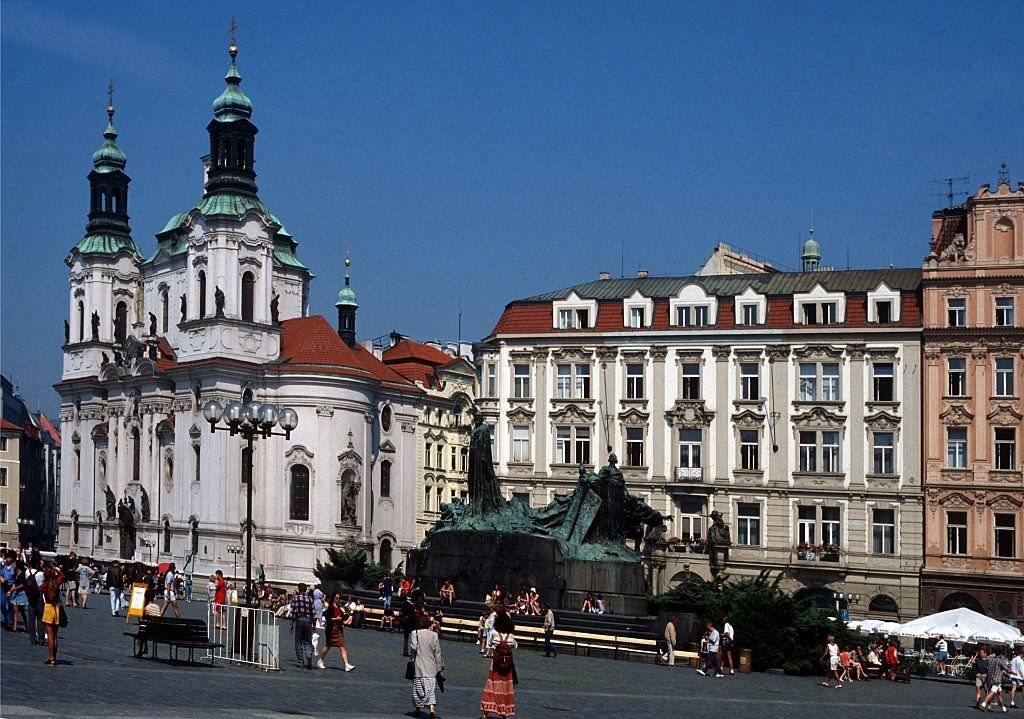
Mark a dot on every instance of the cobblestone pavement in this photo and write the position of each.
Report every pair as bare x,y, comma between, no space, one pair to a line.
97,677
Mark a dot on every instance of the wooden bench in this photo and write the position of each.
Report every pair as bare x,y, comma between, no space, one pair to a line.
176,633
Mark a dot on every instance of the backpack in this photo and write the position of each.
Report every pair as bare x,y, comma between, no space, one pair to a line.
32,588
503,657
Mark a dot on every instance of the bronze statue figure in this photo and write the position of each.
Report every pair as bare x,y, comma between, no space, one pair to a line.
109,496
152,325
218,299
95,322
719,541
275,309
484,494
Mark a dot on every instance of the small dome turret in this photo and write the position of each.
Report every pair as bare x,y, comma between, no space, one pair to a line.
232,104
109,157
811,255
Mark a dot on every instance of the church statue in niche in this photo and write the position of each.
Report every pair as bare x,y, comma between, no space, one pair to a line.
350,487
126,528
110,501
218,299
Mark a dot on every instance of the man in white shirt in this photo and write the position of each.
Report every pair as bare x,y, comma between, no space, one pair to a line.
1016,675
714,641
170,600
832,652
728,642
941,654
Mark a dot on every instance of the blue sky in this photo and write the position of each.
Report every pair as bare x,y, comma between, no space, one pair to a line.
474,152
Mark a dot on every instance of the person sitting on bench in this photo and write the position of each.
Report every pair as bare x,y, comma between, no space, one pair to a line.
152,610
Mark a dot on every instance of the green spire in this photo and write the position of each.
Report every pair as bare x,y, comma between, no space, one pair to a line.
811,256
347,296
109,157
232,104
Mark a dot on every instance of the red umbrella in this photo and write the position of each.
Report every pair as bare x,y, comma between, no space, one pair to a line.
163,567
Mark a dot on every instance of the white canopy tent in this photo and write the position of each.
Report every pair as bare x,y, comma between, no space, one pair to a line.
962,624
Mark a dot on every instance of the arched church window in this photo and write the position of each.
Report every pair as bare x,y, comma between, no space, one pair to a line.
136,454
121,322
385,553
165,310
385,478
167,536
248,295
202,294
81,321
298,502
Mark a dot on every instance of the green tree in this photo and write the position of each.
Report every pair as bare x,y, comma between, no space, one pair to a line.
346,566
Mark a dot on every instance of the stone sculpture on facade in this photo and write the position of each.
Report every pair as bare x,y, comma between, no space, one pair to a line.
349,499
126,526
95,323
275,309
152,325
110,501
484,493
719,541
183,306
218,301
144,504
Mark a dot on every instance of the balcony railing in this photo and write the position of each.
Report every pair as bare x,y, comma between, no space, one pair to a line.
818,552
690,474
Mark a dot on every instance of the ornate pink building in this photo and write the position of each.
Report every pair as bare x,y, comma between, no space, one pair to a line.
973,285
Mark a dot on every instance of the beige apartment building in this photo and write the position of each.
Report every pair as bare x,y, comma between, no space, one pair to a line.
787,401
973,283
10,483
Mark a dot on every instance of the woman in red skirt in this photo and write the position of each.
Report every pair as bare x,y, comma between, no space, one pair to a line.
499,690
334,632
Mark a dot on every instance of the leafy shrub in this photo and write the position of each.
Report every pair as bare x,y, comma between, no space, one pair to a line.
348,567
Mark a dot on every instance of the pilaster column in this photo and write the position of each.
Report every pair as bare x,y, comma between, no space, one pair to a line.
777,413
606,368
658,426
857,435
541,400
978,446
722,420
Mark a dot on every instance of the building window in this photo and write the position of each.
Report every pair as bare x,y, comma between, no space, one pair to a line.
883,450
831,526
439,456
3,444
202,294
165,310
3,513
957,376
385,478
385,553
883,531
635,446
634,381
520,443
197,456
750,381
691,380
883,381
883,310
248,296
692,316
808,451
572,445
956,532
455,458
136,455
492,380
750,449
1006,535
81,321
956,447
819,313
819,382
3,476
1006,448
830,452
807,522
1004,311
428,454
298,496
573,319
748,524
750,315
956,312
522,497
121,322
167,536
464,456
637,319
1004,377
572,381
521,381
690,441
691,518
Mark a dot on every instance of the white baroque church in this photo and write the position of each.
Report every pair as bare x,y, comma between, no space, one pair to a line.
220,311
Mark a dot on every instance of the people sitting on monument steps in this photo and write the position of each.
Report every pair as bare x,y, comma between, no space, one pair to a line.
448,593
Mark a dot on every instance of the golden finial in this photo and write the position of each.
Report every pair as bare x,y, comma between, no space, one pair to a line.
231,29
348,258
110,100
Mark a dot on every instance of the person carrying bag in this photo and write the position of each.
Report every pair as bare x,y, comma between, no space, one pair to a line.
425,668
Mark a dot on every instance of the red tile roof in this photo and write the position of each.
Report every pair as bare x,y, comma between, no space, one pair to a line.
9,426
311,344
48,426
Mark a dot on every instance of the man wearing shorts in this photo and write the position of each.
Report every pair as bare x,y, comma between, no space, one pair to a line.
728,641
832,652
170,599
1016,675
942,654
84,573
997,668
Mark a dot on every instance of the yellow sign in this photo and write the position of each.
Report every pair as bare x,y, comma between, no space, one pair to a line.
137,602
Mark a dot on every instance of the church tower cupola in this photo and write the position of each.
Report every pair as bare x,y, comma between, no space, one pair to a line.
811,255
347,307
108,183
232,137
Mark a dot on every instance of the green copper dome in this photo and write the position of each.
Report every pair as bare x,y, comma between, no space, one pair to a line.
232,104
109,157
812,248
347,296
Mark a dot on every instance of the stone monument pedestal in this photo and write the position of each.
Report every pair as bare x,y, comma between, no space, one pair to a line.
477,560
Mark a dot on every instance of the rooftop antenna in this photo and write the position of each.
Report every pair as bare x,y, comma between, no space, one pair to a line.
950,194
458,347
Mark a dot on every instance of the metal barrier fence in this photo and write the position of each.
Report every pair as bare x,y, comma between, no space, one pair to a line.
247,636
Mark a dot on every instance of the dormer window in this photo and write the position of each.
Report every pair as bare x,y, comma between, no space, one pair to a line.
637,311
750,308
750,314
883,309
637,318
884,305
574,313
692,316
819,313
573,319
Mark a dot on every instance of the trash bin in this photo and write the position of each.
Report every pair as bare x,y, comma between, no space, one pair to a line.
745,659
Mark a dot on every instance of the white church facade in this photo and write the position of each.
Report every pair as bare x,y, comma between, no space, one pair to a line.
220,311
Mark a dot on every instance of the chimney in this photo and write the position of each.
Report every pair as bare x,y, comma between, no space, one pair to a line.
642,274
604,275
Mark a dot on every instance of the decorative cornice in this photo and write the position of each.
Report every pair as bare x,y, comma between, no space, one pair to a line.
659,353
324,410
572,414
818,418
777,352
573,354
956,415
818,352
689,414
1004,415
633,417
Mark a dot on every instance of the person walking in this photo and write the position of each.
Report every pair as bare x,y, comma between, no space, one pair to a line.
52,610
549,631
6,580
408,621
188,588
728,643
302,626
711,665
980,663
832,653
334,632
220,599
34,609
17,597
113,584
428,667
941,654
670,640
1016,675
170,598
499,690
997,668
84,572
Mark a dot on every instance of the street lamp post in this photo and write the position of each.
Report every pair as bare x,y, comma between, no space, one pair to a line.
235,550
253,421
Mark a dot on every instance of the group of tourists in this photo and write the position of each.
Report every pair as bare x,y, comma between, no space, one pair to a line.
715,650
30,591
309,613
992,669
853,663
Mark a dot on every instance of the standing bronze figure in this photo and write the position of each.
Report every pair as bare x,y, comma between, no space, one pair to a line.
484,495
